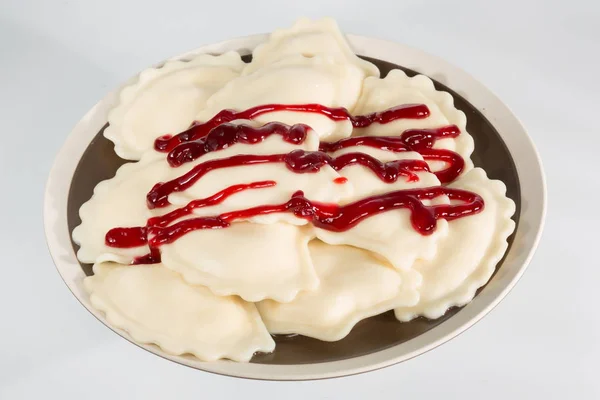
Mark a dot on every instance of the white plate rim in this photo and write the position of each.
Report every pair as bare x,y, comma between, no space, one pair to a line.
533,210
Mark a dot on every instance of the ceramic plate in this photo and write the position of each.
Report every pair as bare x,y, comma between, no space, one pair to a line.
502,148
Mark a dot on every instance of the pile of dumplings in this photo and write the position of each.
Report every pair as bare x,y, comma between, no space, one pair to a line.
222,293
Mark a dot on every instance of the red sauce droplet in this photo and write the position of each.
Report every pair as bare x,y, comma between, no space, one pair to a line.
341,180
201,129
126,237
153,257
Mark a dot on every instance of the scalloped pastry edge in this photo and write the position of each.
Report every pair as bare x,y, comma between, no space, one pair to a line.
486,268
345,326
257,344
100,188
465,144
128,93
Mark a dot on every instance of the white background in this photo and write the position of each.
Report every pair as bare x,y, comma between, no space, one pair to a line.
57,58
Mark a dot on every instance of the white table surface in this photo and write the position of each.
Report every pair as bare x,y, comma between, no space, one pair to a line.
57,58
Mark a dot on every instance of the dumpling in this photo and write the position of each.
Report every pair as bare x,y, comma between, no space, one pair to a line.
118,202
154,305
165,100
389,234
294,80
354,285
252,261
397,88
307,38
467,257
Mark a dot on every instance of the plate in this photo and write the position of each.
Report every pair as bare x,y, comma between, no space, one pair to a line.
502,148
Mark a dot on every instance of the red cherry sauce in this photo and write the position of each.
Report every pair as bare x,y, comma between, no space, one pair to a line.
298,161
153,257
216,134
201,129
419,140
333,217
330,217
138,236
226,135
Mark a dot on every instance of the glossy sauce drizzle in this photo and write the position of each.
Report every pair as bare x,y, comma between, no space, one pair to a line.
196,141
419,140
298,161
201,129
217,134
331,217
226,135
138,236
